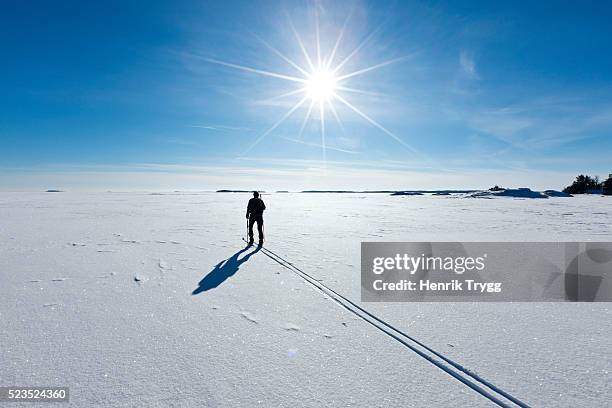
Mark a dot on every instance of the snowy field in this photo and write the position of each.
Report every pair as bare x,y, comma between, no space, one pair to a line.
106,293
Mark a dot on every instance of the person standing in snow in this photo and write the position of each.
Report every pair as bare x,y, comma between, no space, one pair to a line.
254,214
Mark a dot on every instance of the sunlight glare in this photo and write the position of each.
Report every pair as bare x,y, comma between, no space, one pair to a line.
321,85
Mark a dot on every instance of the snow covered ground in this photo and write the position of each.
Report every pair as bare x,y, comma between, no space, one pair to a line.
125,298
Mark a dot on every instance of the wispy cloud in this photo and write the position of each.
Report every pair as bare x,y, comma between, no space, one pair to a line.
222,128
468,64
302,142
542,124
309,175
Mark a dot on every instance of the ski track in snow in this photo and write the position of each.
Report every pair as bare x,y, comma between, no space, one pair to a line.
439,360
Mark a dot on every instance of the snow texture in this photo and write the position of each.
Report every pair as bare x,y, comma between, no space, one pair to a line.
134,299
511,192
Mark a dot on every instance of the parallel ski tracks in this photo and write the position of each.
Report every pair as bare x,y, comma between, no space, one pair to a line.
472,380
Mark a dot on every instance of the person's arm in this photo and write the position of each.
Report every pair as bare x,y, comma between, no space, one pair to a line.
263,205
248,209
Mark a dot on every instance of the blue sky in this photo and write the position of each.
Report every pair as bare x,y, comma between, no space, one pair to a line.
118,95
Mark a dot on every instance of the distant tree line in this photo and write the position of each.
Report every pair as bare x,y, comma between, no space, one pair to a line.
590,185
607,186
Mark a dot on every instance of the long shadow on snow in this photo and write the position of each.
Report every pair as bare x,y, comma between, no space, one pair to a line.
223,270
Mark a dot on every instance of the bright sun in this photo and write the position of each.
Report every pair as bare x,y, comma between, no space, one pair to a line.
321,85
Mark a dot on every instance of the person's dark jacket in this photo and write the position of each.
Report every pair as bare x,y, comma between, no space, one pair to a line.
255,208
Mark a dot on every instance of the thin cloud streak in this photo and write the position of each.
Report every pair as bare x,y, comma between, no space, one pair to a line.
531,126
221,128
302,142
321,176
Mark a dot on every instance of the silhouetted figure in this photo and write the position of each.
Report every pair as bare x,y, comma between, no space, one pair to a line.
254,214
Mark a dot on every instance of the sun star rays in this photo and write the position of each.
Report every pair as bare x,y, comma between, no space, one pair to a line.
320,82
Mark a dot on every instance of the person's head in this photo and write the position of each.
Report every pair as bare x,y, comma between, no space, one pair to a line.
255,194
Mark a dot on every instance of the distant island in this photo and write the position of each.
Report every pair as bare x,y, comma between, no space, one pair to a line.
583,184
